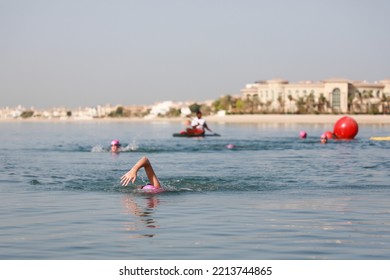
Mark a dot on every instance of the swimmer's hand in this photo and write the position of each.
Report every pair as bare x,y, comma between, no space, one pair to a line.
130,176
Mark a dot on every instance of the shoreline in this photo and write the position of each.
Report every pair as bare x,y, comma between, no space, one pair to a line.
299,119
234,119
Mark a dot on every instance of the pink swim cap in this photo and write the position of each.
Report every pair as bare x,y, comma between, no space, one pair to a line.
151,189
115,143
323,136
303,134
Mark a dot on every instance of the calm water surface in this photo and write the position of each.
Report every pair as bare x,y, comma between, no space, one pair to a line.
274,196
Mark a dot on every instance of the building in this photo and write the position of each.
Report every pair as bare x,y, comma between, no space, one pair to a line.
328,96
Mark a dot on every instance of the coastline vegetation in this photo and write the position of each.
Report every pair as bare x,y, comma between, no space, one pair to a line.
360,103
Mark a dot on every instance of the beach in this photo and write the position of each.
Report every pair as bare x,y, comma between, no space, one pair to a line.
232,119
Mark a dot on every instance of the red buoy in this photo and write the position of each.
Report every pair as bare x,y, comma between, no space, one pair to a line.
329,135
346,128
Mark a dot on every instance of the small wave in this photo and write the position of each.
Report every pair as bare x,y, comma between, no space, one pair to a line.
130,147
195,184
98,149
125,148
209,146
35,182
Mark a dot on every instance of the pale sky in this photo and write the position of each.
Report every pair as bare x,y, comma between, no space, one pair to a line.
131,52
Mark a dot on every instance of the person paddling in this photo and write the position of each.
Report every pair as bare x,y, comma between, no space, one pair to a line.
198,125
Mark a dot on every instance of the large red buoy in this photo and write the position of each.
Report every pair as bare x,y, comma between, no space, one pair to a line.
346,128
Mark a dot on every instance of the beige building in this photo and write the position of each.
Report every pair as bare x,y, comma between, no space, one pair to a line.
328,96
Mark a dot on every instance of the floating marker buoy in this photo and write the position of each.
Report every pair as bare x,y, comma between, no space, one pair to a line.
346,128
329,134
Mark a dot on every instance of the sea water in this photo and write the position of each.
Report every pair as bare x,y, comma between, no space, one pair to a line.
272,196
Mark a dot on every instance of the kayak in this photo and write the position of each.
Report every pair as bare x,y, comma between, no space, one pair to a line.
184,134
380,138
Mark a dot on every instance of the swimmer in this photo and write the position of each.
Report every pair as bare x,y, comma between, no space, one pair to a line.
324,139
131,175
115,146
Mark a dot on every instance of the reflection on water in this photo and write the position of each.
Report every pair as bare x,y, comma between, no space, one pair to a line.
142,212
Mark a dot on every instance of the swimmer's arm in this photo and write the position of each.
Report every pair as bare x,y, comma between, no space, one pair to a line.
131,175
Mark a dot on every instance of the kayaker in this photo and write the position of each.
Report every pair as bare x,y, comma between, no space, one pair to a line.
198,124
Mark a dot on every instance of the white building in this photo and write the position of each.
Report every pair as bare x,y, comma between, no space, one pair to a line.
338,95
160,109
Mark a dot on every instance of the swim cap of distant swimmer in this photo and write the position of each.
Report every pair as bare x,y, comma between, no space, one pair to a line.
303,134
115,143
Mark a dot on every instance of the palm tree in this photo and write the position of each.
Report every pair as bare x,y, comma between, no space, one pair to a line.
321,103
255,103
282,104
301,104
385,102
290,99
310,103
358,102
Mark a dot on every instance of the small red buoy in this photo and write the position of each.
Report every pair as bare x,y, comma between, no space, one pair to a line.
346,128
329,134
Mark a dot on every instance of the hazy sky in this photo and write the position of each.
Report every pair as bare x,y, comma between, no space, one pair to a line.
89,52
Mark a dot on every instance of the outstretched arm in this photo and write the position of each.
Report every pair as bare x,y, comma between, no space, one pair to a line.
131,175
205,126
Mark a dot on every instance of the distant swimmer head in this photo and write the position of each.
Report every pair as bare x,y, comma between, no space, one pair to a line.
115,146
115,143
230,146
303,134
324,138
